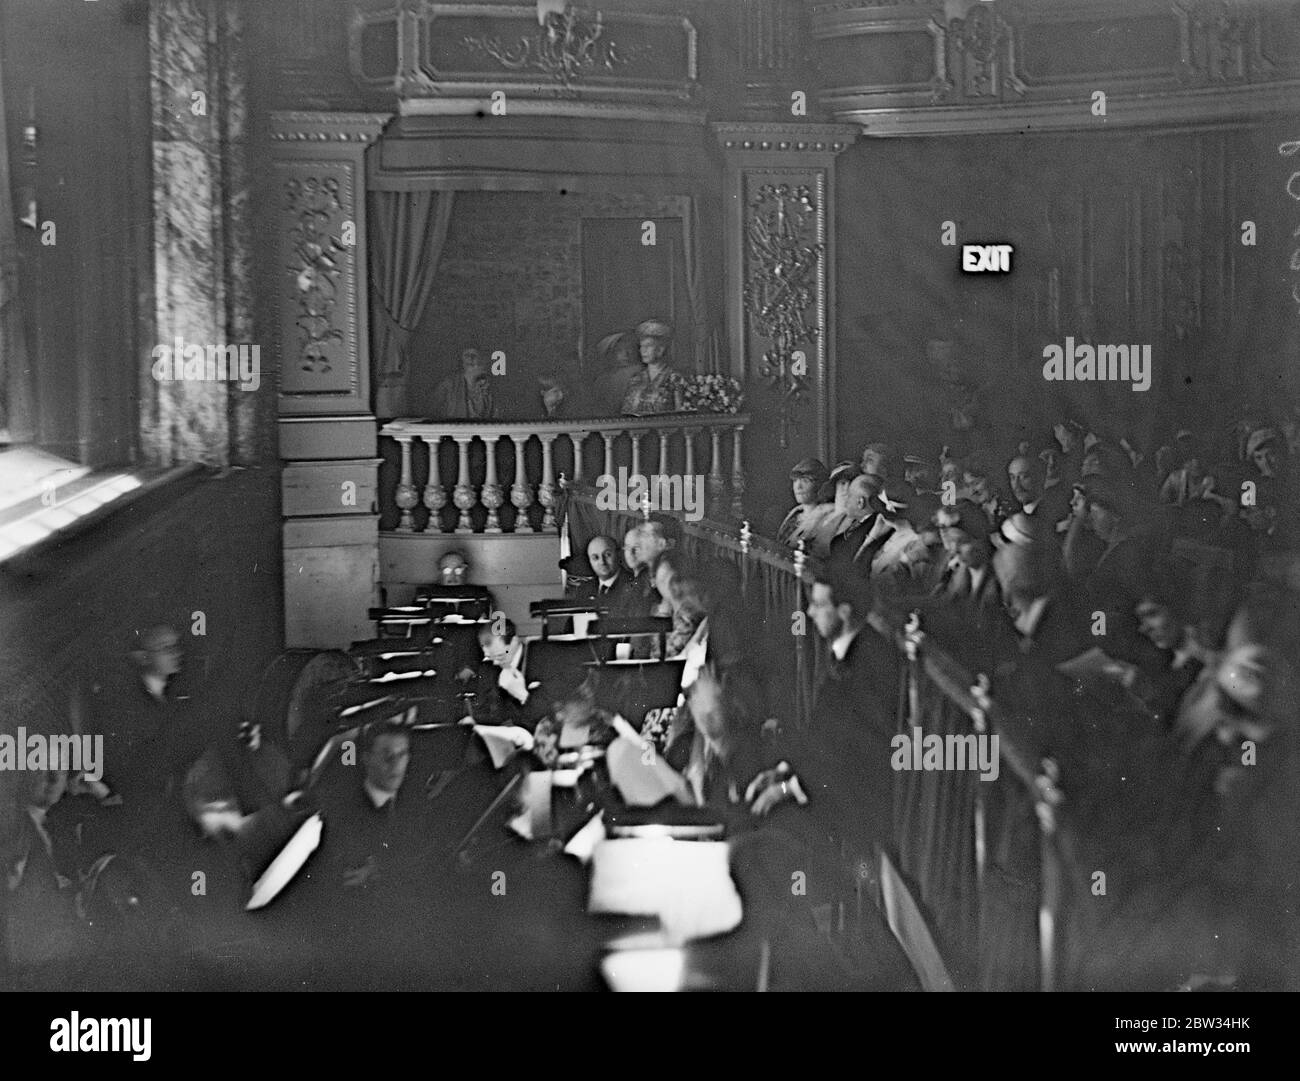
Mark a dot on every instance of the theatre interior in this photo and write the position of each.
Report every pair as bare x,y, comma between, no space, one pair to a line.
649,495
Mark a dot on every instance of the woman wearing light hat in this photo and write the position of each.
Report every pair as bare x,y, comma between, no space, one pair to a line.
657,388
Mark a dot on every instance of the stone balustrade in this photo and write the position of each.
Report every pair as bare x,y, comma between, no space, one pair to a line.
523,464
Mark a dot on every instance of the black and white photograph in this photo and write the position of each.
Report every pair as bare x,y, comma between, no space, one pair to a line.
651,495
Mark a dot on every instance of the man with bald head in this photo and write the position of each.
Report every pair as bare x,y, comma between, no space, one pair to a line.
614,587
868,527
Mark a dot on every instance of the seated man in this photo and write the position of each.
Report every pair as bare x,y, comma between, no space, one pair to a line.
503,696
613,587
654,538
369,838
453,592
867,529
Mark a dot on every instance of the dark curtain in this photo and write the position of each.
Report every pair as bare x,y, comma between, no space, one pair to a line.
407,232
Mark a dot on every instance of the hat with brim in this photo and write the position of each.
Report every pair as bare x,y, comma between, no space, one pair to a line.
894,496
844,471
654,328
1020,529
606,346
1259,438
809,467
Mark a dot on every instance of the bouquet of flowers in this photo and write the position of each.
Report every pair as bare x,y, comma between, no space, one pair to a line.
712,394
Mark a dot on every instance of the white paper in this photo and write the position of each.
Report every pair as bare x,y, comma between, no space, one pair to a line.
642,778
503,740
287,864
583,843
686,884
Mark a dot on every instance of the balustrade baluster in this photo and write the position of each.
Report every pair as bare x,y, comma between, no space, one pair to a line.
688,437
717,485
435,495
546,491
464,496
405,497
521,492
737,475
492,497
579,440
636,438
609,452
663,452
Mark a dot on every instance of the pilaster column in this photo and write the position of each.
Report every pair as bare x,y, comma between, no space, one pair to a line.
780,286
313,287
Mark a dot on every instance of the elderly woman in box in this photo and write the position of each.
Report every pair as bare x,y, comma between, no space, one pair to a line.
657,388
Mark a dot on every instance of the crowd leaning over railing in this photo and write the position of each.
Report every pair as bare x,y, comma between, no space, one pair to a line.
1135,614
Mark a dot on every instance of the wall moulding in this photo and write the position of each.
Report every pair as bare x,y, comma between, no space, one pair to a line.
1151,57
1207,107
578,54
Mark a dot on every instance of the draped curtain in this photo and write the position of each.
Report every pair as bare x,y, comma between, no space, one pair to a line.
697,273
408,230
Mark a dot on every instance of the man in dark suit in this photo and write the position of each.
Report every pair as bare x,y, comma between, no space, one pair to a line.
843,760
453,592
150,739
503,695
868,527
1026,476
365,811
613,587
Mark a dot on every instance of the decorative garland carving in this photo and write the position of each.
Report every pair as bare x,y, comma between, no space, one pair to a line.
784,255
979,37
1289,150
316,269
570,46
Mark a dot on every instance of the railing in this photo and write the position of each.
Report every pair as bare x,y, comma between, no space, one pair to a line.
1002,934
529,459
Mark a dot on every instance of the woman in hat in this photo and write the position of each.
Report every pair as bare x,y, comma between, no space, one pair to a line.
806,480
619,366
656,388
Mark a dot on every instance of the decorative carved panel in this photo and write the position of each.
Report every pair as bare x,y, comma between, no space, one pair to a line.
319,314
444,52
979,40
322,343
784,290
780,269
